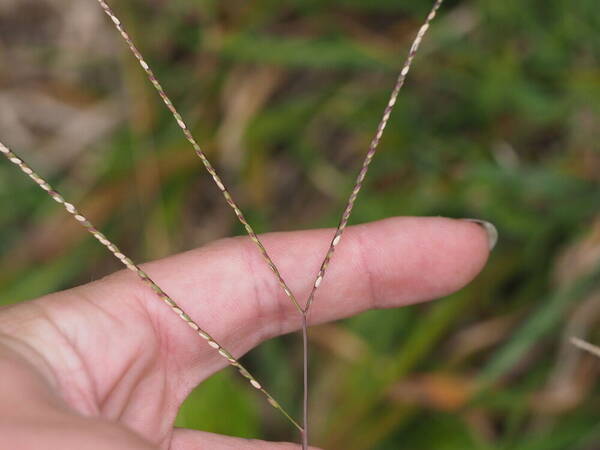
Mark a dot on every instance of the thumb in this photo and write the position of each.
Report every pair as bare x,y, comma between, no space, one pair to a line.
184,439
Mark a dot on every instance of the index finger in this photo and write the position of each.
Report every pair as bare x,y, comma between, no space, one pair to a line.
230,292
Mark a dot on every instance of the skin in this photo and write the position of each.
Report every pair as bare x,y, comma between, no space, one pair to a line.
106,365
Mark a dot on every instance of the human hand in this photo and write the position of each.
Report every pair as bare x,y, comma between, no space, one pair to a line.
106,365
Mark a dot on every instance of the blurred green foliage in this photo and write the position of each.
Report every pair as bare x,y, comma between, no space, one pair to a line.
500,120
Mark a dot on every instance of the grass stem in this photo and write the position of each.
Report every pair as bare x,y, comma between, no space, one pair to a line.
305,380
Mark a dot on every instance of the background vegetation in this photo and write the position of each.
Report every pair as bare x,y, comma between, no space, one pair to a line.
500,119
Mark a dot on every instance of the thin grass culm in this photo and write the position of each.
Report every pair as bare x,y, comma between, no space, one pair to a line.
143,276
304,309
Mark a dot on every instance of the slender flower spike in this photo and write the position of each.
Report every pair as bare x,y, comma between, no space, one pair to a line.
371,153
198,150
71,209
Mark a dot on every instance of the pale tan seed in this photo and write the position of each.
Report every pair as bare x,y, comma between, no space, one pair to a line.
203,335
318,281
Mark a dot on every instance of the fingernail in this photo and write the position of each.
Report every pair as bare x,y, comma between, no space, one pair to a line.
490,229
